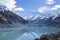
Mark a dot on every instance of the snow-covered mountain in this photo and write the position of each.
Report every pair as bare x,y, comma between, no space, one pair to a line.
34,14
39,19
9,18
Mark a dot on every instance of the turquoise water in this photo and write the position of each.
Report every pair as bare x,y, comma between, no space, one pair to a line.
25,33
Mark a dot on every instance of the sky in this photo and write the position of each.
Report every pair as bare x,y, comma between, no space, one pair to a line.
24,7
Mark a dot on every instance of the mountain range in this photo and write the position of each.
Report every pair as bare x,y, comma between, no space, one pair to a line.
11,19
53,20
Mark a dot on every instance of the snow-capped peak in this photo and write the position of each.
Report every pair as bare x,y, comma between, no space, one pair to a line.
2,8
56,15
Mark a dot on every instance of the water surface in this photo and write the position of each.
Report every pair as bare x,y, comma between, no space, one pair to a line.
26,33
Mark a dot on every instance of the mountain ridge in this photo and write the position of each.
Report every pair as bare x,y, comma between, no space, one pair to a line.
8,17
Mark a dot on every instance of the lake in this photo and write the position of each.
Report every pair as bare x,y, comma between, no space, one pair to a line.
26,33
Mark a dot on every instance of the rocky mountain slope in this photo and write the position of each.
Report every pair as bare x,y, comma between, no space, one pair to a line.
10,19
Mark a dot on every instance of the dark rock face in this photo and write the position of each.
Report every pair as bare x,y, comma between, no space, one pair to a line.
55,36
12,17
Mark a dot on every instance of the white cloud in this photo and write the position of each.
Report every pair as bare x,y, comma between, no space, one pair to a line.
43,9
19,9
55,7
49,1
11,5
50,9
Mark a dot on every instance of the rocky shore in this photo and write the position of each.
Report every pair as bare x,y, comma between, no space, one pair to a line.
55,36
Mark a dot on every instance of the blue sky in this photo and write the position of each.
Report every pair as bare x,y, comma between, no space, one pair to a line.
42,6
25,7
30,5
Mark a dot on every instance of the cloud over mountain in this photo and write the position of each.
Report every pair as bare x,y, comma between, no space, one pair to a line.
56,7
43,9
10,4
19,9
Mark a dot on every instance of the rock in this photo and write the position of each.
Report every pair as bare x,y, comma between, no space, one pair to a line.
55,36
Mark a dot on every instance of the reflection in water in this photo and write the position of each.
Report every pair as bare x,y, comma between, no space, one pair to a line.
26,33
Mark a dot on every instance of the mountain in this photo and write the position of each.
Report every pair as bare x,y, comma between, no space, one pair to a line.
53,20
35,14
10,19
